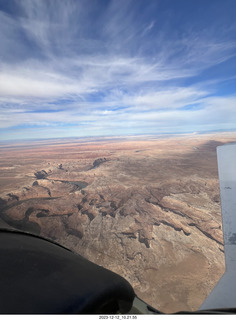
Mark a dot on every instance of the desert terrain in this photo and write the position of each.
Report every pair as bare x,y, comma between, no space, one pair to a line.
147,208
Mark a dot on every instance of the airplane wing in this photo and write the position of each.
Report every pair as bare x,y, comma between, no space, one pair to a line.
223,296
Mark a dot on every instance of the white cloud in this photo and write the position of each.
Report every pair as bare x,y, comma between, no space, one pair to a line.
102,73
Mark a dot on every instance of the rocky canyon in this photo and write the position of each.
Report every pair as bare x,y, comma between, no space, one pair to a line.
147,208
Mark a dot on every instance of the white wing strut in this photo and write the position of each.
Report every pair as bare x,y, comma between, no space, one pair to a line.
224,294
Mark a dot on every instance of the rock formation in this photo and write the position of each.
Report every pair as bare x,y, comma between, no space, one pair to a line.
150,212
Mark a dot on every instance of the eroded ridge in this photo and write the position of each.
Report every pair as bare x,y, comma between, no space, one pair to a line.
148,210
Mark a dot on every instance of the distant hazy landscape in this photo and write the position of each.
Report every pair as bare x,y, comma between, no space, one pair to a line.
147,208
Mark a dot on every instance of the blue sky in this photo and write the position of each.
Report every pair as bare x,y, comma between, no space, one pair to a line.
92,68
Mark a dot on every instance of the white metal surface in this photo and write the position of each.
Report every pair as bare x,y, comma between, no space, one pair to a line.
224,293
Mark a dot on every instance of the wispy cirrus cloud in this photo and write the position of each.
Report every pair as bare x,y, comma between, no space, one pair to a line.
108,68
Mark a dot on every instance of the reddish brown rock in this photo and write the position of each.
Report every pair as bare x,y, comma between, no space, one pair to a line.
148,210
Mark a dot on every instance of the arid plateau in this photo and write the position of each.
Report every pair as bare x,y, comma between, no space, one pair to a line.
147,208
